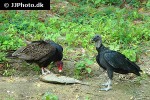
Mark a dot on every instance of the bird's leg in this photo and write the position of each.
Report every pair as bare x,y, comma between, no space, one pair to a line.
42,69
108,84
47,71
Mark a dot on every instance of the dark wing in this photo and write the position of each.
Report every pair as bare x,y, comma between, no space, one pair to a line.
118,60
35,50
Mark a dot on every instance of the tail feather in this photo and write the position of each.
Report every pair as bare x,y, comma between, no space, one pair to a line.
137,73
17,52
9,54
135,68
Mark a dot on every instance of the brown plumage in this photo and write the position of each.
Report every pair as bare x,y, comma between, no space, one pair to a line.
42,53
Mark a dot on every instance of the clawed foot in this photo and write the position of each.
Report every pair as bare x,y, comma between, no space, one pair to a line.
45,71
105,84
106,89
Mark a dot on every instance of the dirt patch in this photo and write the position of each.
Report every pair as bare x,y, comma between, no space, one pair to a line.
27,86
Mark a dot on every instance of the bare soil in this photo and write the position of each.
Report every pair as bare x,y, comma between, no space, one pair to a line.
25,84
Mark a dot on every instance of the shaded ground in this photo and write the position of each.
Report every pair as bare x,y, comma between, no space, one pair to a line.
27,86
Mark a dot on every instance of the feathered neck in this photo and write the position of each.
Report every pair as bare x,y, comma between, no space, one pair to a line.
101,48
98,44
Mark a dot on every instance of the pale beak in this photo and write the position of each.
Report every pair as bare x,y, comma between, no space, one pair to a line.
60,71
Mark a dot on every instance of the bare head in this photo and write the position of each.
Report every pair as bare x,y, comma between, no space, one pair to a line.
59,64
98,40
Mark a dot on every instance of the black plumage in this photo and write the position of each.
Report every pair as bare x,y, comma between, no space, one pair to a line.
113,61
42,53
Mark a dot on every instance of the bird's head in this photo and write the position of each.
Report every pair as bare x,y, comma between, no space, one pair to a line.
59,64
98,40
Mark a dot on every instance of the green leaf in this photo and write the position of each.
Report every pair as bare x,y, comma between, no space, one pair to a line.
6,42
49,96
89,70
89,62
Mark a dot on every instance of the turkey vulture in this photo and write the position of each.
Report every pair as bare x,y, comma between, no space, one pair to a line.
42,53
113,61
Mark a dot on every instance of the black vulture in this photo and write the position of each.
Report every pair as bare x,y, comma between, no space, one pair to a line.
42,53
113,61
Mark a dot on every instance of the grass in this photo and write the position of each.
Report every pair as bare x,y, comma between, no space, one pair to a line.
82,68
74,24
49,96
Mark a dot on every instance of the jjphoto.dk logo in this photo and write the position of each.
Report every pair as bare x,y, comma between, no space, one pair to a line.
39,4
25,5
6,5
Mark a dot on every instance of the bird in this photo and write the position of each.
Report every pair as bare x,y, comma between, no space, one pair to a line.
113,61
41,52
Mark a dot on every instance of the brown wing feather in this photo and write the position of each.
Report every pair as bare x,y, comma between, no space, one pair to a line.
35,51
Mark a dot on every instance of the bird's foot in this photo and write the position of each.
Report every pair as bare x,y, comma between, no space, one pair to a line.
105,84
45,71
108,86
108,83
105,89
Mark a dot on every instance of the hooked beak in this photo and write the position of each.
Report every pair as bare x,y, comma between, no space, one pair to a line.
60,68
93,40
59,64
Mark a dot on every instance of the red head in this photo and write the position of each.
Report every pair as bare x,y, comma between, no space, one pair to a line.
59,64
